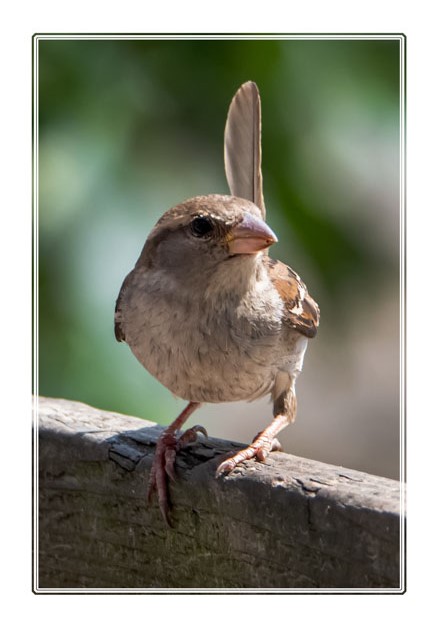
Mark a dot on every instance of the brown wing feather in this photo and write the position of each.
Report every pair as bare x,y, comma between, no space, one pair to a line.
119,329
302,312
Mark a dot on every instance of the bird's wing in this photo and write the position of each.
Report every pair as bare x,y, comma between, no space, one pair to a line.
301,311
243,146
119,328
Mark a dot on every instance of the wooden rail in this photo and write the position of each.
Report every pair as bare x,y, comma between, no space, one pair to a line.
288,523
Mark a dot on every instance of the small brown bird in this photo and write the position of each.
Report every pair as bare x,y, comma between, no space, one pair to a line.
208,313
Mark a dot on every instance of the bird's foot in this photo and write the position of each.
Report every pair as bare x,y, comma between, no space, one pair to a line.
162,468
259,448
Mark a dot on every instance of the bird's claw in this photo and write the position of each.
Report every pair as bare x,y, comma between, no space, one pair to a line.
163,467
170,458
190,435
258,449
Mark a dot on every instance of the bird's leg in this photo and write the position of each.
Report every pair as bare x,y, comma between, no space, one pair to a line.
263,443
163,464
284,409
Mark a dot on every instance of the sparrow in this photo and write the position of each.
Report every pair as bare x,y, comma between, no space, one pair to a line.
209,314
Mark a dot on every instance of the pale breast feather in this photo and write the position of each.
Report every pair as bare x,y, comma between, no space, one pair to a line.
301,311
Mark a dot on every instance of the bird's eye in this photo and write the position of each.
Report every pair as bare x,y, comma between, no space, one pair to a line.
201,226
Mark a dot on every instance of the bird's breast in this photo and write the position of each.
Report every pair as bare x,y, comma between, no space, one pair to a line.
203,351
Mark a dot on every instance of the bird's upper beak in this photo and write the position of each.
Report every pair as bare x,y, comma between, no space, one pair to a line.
250,236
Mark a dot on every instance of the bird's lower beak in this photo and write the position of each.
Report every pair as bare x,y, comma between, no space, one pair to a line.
250,236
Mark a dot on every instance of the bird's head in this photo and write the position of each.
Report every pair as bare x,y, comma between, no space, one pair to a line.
199,234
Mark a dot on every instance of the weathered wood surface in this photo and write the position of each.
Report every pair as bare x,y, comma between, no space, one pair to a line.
288,523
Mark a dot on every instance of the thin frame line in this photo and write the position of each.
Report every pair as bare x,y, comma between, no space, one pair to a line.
35,199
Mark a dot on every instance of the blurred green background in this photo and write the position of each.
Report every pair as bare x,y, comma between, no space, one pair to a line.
130,128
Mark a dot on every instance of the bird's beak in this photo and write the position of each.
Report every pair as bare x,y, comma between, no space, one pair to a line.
250,236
